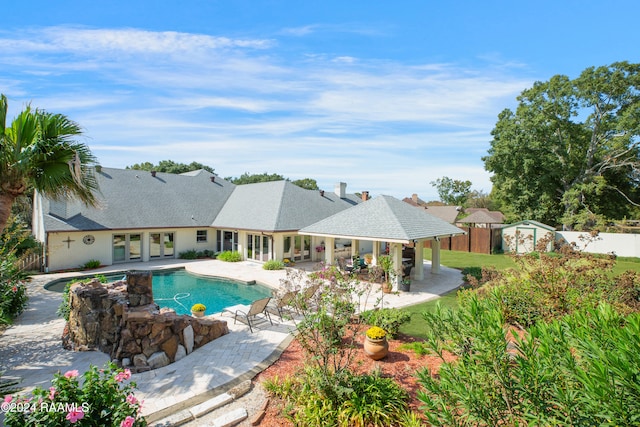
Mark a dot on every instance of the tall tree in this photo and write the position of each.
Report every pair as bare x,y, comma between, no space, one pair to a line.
569,153
169,166
39,151
306,183
452,191
247,178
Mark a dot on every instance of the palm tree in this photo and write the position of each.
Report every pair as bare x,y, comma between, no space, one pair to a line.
38,151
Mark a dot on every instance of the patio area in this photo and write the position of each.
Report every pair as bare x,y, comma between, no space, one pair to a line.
31,349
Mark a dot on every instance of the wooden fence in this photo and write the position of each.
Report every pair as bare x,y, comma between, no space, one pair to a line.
477,240
31,262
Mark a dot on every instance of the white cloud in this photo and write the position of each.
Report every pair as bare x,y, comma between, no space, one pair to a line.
241,105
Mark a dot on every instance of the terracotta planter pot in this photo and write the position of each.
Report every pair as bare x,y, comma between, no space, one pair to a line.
387,288
197,313
376,349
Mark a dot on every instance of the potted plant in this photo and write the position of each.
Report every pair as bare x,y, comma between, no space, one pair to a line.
368,258
375,343
197,310
405,285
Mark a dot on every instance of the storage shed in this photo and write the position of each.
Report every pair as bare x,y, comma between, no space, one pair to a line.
522,237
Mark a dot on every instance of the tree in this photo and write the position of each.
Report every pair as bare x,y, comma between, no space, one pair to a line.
38,151
247,178
452,191
169,166
306,183
569,153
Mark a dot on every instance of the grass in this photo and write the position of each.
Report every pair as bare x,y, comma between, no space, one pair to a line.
464,260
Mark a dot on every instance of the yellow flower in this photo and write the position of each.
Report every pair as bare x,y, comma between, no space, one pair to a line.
376,333
198,307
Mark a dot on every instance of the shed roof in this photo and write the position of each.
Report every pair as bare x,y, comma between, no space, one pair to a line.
530,222
384,218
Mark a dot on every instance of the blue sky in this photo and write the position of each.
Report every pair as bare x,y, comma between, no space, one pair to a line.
386,96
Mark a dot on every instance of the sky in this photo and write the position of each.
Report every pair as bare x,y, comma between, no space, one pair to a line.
385,96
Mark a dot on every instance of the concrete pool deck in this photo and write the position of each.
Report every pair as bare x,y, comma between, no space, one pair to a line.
31,348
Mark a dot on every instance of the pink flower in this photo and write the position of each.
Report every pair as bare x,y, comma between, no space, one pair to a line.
120,376
128,422
131,399
14,289
71,374
8,398
52,392
75,414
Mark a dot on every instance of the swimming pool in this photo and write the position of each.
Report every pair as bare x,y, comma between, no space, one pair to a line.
179,290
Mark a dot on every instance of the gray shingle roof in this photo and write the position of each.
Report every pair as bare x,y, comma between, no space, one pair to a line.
278,206
383,218
136,199
480,217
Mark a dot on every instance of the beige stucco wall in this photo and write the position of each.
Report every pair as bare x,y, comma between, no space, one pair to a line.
62,255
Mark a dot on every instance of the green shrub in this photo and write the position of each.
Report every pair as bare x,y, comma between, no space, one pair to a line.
273,264
545,286
389,319
361,400
562,373
13,292
190,254
102,398
229,256
92,263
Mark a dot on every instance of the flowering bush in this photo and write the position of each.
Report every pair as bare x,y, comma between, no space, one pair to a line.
13,300
198,307
376,333
103,398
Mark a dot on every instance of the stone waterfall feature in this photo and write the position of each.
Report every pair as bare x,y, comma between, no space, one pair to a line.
122,320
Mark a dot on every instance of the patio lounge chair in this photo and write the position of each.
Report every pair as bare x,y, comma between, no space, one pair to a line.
282,304
250,312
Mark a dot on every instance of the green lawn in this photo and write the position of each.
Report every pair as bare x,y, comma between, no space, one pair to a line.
461,260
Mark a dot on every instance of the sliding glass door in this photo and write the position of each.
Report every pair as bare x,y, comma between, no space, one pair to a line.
127,247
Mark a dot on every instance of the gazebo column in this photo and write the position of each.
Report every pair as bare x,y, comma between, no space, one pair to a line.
375,252
418,271
435,256
355,248
329,250
396,256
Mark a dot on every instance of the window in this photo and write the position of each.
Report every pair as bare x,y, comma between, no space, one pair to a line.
201,236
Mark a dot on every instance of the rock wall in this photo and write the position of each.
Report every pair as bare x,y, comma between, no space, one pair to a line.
122,320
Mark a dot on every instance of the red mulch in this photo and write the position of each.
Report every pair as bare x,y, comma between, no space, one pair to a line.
402,365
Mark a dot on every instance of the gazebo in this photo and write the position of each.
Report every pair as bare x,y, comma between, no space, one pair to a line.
385,219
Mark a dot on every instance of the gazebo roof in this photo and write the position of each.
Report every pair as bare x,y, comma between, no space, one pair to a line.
384,218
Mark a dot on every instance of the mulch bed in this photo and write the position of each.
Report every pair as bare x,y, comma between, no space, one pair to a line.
401,364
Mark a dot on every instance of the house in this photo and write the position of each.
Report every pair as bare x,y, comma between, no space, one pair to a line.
446,213
483,218
144,216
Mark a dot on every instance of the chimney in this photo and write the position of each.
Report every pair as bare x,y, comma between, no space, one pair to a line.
414,197
321,193
213,178
153,174
365,196
341,189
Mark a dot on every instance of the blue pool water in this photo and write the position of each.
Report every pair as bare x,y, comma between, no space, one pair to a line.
179,290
